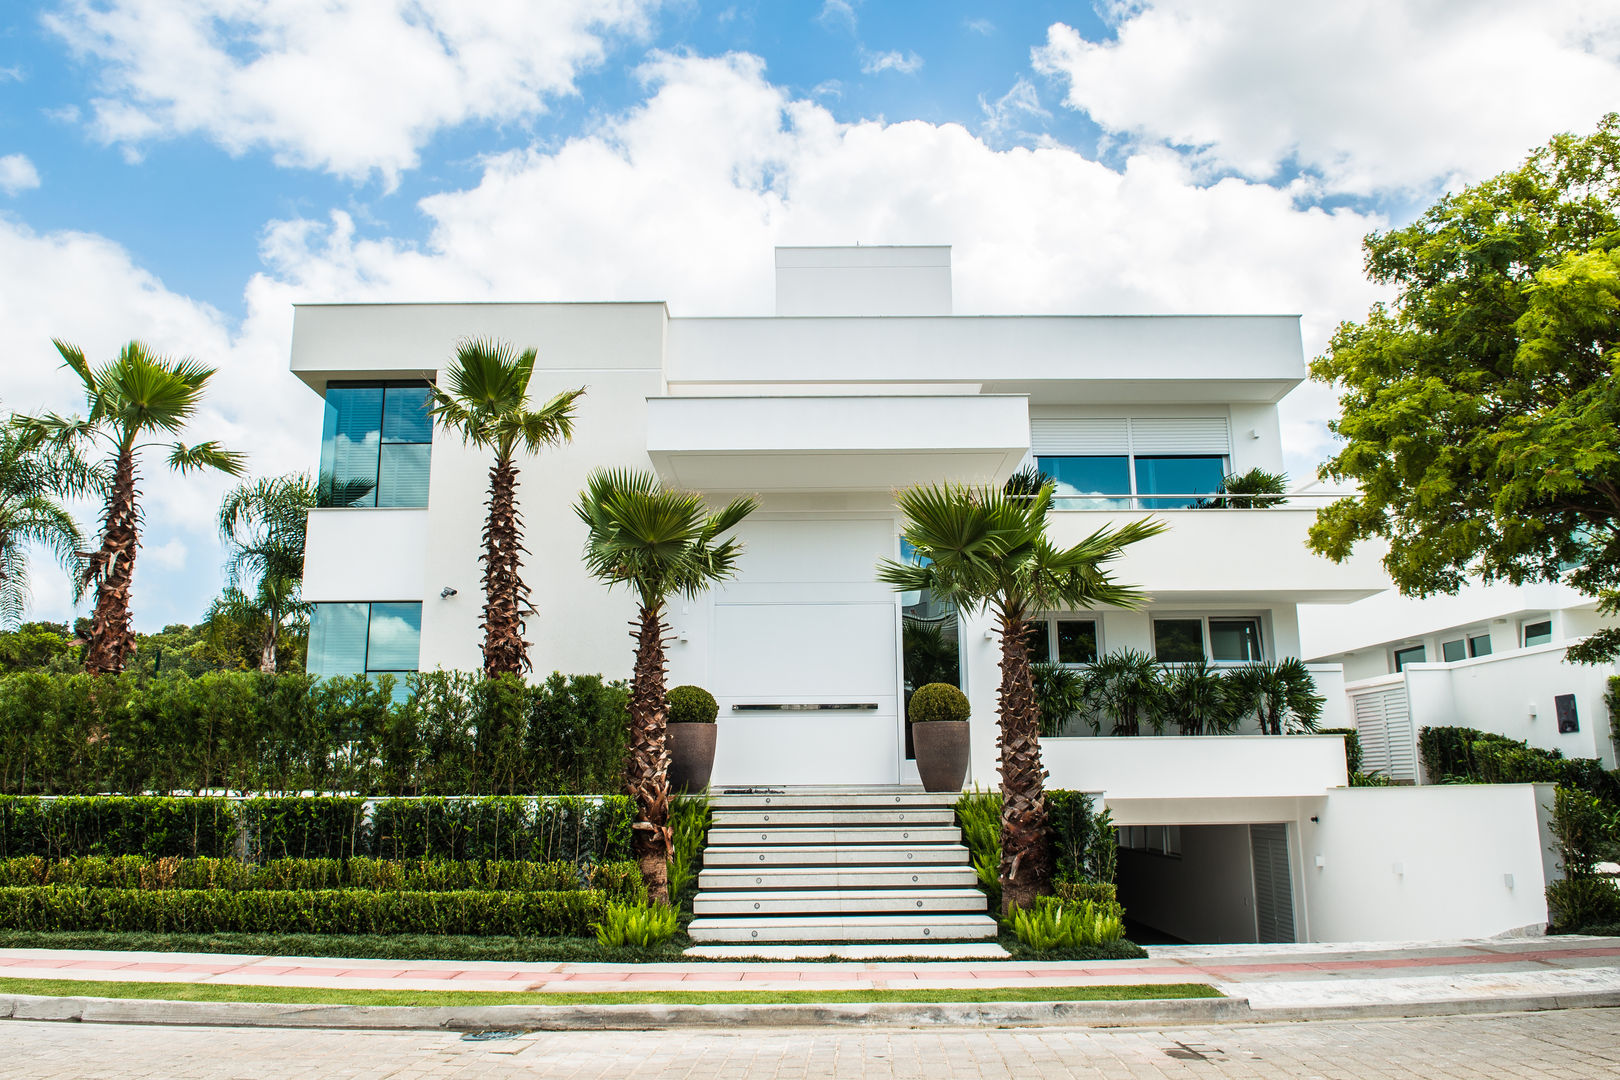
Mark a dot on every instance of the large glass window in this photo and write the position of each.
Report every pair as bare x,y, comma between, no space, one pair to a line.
365,639
1178,641
376,445
1537,633
1230,640
1088,477
930,641
1234,641
1412,654
1452,651
1060,640
1479,645
1175,476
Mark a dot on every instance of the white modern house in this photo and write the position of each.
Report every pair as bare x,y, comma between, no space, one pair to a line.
863,382
1490,657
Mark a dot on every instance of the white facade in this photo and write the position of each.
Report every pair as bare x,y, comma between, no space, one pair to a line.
865,383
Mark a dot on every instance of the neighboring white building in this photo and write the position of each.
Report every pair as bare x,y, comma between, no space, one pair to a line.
863,383
1490,657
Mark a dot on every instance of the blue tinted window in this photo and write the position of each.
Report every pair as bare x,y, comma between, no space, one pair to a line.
405,415
1079,477
395,638
376,445
337,639
1178,476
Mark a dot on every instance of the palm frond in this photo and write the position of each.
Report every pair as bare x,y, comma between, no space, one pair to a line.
207,455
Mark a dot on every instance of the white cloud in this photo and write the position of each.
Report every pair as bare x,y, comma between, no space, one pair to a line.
874,63
983,27
1003,116
11,74
1368,94
17,174
839,13
349,86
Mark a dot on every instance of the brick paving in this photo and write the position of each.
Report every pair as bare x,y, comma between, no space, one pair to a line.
1581,1044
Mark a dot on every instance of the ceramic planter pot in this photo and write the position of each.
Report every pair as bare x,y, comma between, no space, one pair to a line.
691,756
942,753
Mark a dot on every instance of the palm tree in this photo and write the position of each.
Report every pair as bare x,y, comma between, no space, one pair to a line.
1125,686
983,549
660,544
136,394
485,398
264,524
1275,693
32,481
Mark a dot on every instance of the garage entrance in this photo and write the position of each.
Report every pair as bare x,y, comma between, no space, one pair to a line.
1207,884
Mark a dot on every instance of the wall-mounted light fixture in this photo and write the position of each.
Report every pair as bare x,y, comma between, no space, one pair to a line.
446,593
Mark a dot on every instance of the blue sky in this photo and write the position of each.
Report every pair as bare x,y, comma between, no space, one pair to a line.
184,173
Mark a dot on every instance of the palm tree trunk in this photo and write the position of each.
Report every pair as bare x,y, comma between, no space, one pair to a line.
1026,858
267,653
647,767
506,598
112,568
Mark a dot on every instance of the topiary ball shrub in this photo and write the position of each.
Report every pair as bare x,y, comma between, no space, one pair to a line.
937,701
691,705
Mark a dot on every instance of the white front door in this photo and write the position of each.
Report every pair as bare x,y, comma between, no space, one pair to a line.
802,657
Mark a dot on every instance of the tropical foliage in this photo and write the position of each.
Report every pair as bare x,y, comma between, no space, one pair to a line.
983,549
483,395
264,524
1480,409
659,544
33,481
133,396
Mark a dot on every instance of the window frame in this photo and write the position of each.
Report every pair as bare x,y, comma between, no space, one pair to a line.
367,670
323,494
1262,626
1524,631
1401,665
1050,619
1134,499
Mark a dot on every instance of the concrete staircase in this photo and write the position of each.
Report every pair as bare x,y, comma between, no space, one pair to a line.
837,866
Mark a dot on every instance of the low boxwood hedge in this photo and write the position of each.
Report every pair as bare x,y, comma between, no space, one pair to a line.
324,911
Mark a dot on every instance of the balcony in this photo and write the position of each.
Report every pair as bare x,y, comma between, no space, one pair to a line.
809,444
1258,557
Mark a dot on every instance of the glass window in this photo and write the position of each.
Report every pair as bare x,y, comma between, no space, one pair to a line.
1040,642
1079,477
1537,633
337,639
1076,641
1412,654
1479,645
1178,641
375,445
395,639
1178,476
1234,641
1452,651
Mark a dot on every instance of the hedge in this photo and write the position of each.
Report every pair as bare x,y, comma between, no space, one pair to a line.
1453,755
240,731
495,827
618,880
1083,841
518,914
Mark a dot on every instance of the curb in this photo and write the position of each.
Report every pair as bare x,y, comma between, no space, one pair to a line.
1098,1014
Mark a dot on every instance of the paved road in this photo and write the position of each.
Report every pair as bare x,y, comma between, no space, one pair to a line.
1572,1045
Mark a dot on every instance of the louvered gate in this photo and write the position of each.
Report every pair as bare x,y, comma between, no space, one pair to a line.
1273,884
1384,723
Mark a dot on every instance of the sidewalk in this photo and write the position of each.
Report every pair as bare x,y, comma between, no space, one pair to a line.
1270,977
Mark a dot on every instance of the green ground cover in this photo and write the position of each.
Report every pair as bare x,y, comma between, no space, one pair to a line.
296,995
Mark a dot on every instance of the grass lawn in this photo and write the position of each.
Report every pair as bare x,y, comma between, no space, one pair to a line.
297,995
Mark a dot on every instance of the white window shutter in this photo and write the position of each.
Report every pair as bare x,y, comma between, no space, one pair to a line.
1088,436
1181,435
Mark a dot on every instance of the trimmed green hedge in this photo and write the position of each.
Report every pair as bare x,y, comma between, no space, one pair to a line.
518,914
1454,755
496,827
618,880
454,734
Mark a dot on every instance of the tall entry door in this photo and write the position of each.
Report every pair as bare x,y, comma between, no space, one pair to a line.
802,657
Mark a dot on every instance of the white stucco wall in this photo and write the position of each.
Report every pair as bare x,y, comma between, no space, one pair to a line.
1197,767
365,554
1454,847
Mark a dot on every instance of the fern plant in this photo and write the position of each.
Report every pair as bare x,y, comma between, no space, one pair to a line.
689,820
639,926
1057,924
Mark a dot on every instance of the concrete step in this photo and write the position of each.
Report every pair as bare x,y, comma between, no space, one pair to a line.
819,855
779,818
836,800
877,877
928,927
839,836
839,901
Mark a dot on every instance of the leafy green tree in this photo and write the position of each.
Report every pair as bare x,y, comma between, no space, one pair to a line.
660,544
985,549
33,481
1480,408
37,646
132,396
483,395
264,524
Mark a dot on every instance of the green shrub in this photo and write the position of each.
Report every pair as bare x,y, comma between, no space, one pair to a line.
117,825
1098,892
978,815
937,701
1069,814
640,926
1371,779
304,827
503,827
351,911
1583,904
1352,747
1453,755
1053,924
691,705
689,820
